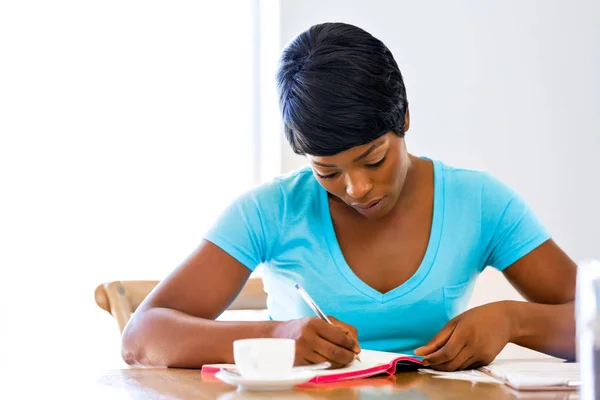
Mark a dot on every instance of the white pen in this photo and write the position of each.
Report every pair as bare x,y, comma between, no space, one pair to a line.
311,303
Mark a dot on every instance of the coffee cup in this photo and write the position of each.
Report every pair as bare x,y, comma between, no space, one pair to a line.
264,358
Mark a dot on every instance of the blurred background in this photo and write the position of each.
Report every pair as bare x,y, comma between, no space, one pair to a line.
127,126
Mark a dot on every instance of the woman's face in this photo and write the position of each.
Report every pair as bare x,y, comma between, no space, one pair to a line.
368,178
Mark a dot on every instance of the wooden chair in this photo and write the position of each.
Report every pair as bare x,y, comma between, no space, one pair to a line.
122,298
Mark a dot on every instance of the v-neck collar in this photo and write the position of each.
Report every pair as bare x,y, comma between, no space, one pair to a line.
426,262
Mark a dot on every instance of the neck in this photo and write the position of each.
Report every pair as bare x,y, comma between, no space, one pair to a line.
416,167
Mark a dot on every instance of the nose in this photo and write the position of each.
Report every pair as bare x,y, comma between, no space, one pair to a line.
358,185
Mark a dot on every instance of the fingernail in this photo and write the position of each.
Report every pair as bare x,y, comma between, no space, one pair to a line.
425,363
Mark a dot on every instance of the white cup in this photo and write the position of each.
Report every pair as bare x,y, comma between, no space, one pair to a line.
264,358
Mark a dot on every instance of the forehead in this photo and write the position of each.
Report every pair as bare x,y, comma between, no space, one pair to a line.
353,154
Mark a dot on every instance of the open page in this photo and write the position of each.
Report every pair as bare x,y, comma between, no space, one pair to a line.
371,362
368,359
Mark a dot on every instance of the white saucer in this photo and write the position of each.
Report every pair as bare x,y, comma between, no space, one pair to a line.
247,384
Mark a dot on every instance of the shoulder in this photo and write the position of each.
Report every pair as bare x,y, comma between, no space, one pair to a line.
483,194
478,194
286,187
474,183
463,176
298,181
249,226
285,194
507,228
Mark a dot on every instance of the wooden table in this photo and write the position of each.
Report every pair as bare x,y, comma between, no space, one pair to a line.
162,383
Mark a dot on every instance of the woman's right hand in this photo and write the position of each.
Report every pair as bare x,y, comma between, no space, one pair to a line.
317,341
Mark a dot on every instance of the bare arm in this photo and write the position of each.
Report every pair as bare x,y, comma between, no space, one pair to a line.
545,277
175,326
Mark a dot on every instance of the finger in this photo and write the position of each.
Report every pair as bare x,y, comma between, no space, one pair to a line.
344,326
455,363
478,364
353,333
437,341
316,358
448,352
347,329
467,364
333,353
336,336
301,361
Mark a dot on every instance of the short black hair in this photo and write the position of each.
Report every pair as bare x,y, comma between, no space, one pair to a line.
339,87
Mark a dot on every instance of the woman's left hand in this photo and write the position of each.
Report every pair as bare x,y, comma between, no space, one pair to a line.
470,340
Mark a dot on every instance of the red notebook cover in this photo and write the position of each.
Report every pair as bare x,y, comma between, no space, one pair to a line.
372,363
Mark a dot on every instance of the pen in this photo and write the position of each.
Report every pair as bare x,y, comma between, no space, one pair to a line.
311,303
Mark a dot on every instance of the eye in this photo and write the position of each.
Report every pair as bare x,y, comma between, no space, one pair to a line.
377,164
326,176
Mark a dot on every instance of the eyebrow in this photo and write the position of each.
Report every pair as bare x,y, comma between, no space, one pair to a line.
363,155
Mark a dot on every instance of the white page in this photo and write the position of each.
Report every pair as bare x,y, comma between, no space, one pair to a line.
522,373
471,375
368,359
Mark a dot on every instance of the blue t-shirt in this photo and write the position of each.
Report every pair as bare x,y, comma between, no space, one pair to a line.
286,226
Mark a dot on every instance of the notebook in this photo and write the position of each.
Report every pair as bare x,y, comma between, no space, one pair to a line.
521,375
372,363
530,375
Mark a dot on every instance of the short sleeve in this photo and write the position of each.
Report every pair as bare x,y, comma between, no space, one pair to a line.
510,227
247,227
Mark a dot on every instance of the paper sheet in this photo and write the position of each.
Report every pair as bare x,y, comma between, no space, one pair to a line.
535,373
519,373
467,375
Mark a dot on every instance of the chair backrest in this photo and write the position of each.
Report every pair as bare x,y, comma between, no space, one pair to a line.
122,298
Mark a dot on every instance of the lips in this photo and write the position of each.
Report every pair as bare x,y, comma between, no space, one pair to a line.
366,206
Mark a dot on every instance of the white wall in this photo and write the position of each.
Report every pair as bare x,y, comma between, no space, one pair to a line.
512,87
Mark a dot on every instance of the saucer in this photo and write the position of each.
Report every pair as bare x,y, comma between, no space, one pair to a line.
259,384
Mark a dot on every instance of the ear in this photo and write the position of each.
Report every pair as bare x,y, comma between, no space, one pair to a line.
406,120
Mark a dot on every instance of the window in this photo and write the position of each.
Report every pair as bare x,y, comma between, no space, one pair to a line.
127,127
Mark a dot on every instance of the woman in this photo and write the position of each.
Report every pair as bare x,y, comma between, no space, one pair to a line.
388,243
